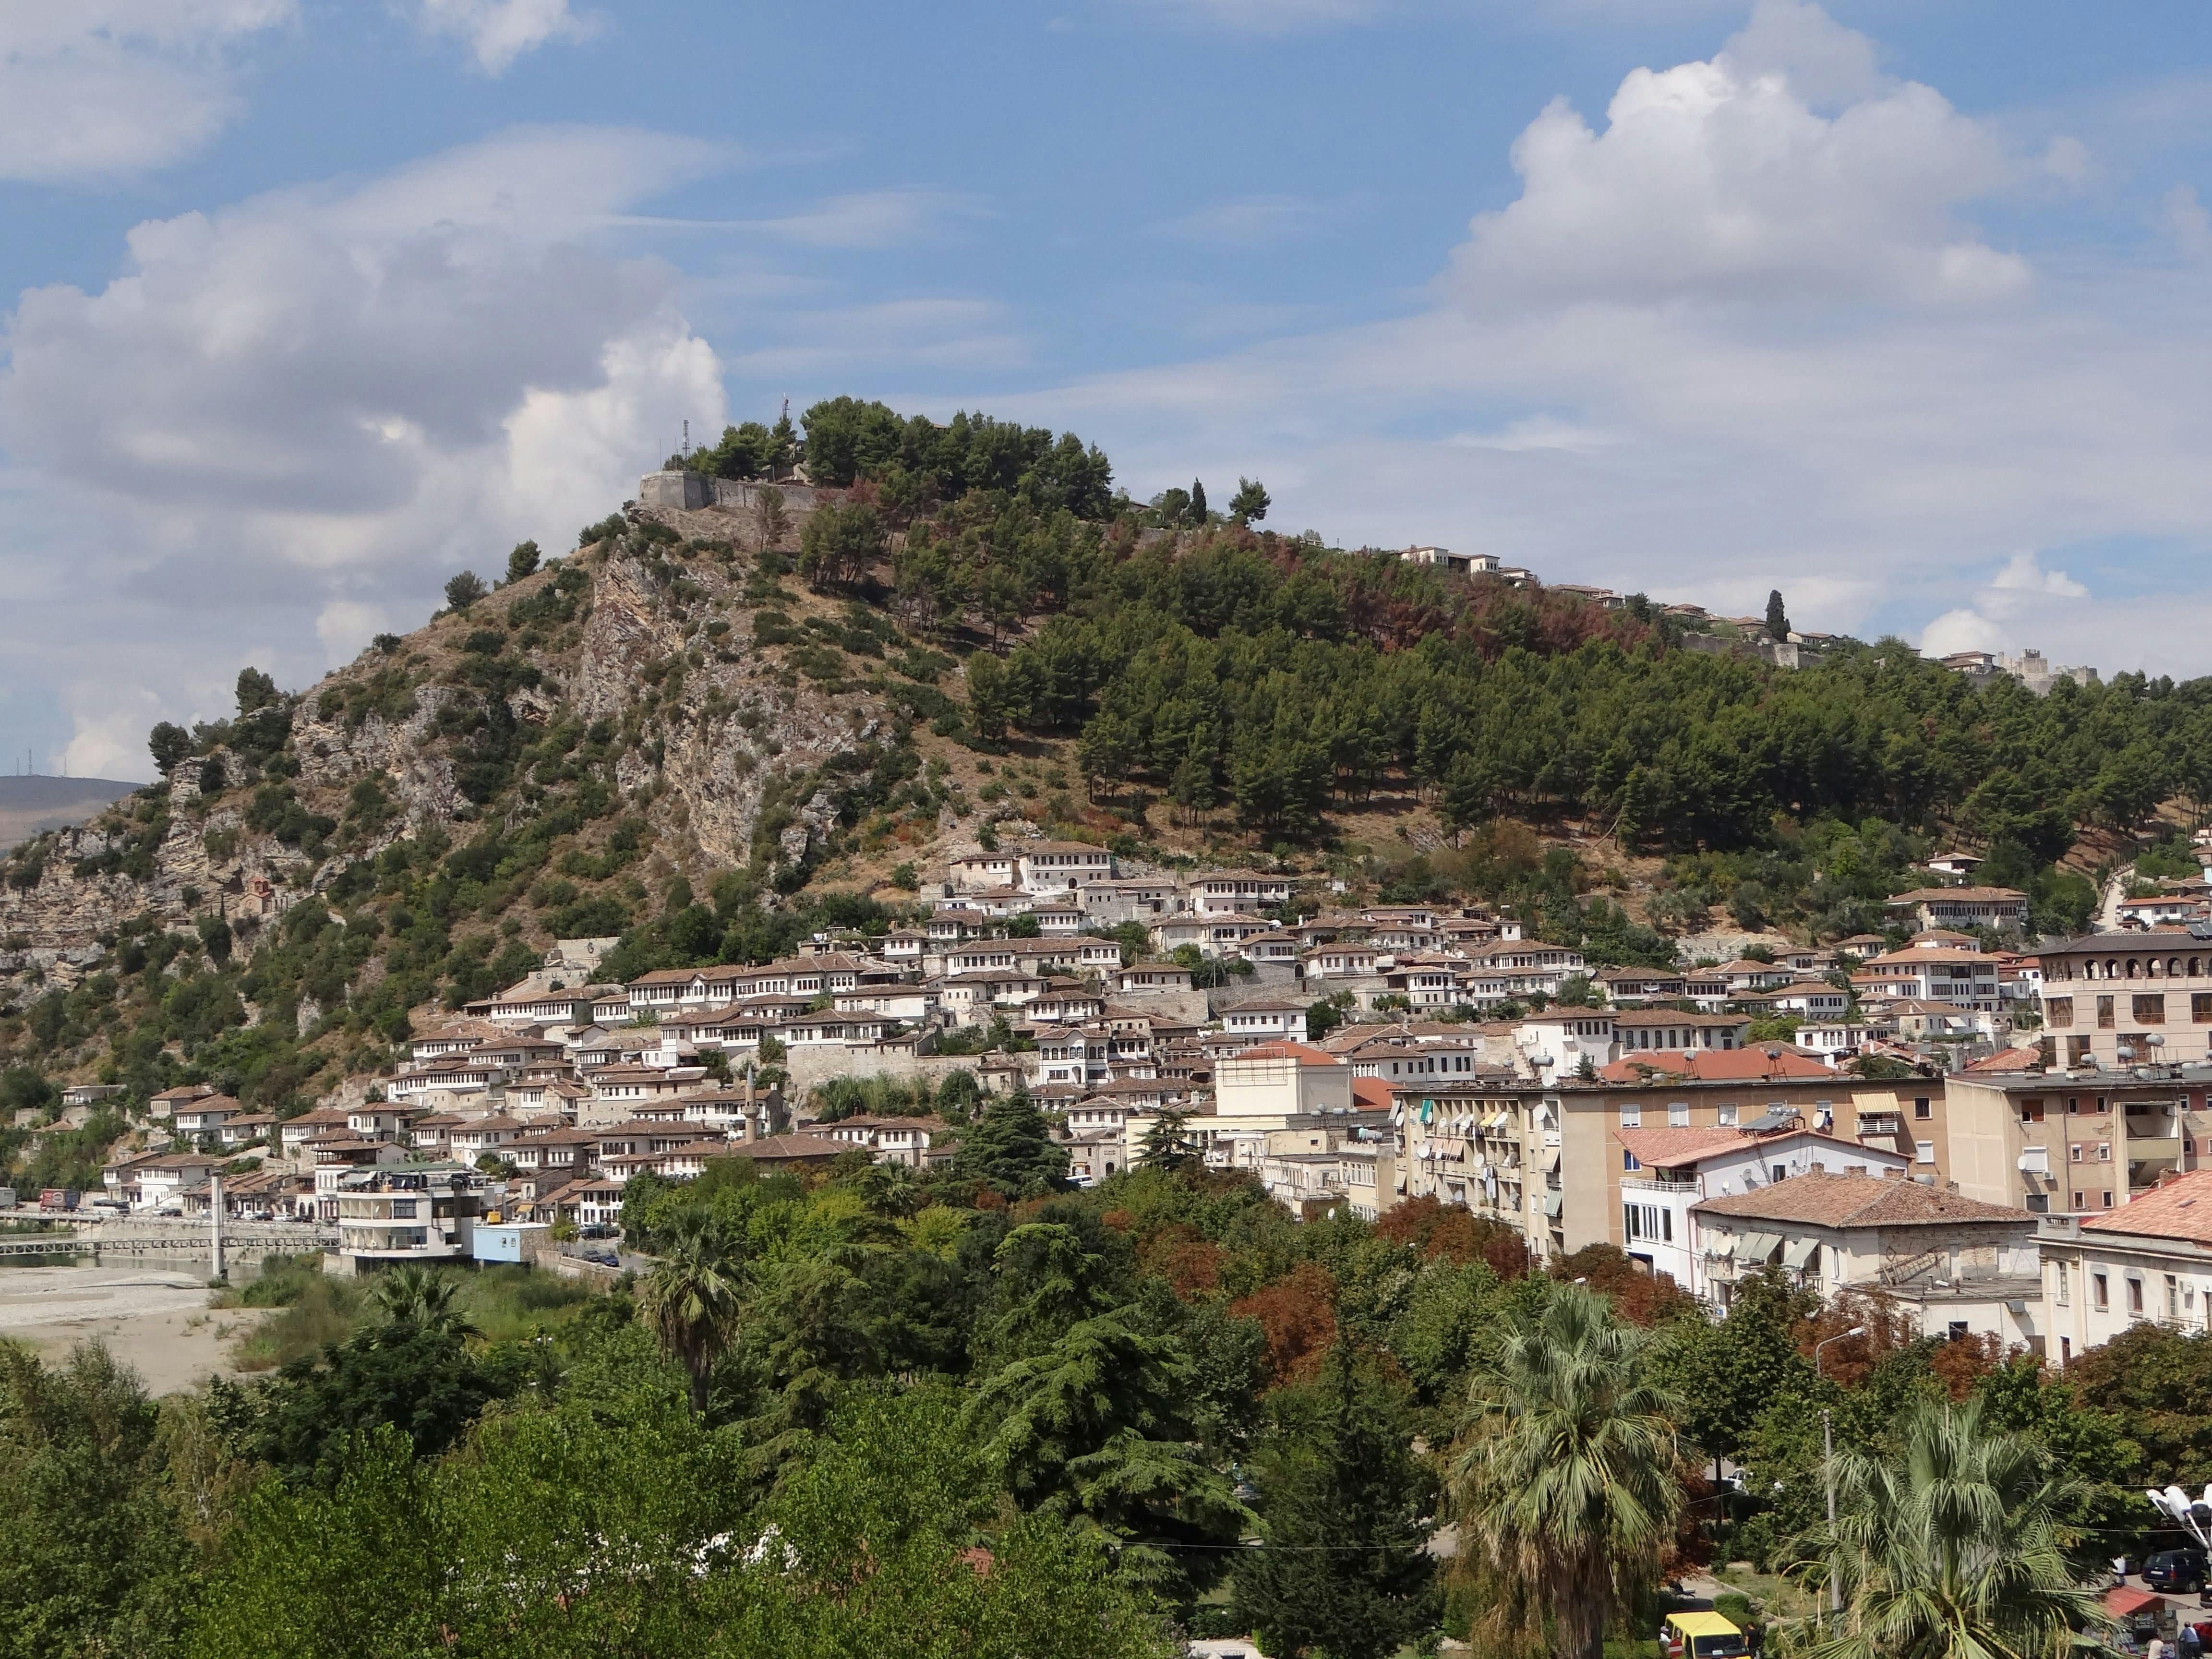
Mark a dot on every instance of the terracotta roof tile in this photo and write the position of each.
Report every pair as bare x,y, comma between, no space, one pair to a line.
2180,1209
1751,1065
1842,1200
1305,1052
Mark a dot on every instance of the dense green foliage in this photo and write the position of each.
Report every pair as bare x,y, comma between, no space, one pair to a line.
1284,679
1958,1547
934,1421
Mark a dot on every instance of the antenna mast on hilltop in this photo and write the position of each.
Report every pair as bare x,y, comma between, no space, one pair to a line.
686,450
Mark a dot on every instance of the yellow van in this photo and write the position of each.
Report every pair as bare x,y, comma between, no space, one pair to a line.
1701,1636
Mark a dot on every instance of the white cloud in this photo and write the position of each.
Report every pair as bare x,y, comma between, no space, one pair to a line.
1962,630
1245,222
1721,180
1732,416
2067,159
2024,574
344,626
289,420
1537,432
499,30
2015,607
110,739
874,219
2187,223
1826,63
98,86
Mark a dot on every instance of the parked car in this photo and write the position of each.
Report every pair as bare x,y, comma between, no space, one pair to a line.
2176,1572
1701,1636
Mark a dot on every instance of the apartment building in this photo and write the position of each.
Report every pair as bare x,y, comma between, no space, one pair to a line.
389,1216
1760,1088
1637,1029
1952,976
2128,999
1665,1172
2149,1262
1488,1142
1629,987
1235,892
2075,1143
1271,1084
1962,1268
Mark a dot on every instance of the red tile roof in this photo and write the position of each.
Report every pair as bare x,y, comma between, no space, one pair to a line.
2182,1208
1663,1148
1958,895
1847,1201
2006,1060
1305,1052
1669,1147
1751,1065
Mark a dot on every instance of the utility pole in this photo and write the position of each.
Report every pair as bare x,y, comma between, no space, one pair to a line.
1828,1471
215,1215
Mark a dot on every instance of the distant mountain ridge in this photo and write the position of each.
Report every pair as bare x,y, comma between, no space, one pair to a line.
29,804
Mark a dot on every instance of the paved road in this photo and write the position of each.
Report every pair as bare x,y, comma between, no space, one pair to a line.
2108,908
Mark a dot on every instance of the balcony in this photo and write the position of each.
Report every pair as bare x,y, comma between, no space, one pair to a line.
2159,1123
1661,1186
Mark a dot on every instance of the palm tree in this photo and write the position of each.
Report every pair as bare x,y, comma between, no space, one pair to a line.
691,1297
1956,1549
1567,1478
413,1294
893,1190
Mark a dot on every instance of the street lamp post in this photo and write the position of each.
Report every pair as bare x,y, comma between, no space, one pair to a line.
1828,1467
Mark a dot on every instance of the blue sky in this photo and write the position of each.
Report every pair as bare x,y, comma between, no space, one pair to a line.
1898,306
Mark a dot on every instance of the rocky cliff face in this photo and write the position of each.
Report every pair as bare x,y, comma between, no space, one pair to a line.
650,655
737,722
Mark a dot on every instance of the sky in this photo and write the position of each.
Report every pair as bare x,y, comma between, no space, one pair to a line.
1900,307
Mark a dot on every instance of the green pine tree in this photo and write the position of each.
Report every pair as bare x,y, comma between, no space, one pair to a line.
1343,1571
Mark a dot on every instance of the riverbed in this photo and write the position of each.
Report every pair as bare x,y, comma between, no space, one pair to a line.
155,1320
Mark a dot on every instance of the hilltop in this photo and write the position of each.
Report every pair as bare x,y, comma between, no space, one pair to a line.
711,730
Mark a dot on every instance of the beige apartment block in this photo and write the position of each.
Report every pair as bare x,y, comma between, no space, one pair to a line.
2149,1263
1547,1160
2127,999
1739,1094
1488,1142
2076,1143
